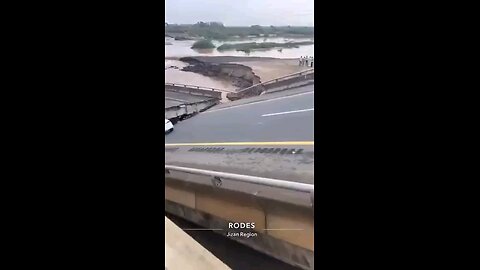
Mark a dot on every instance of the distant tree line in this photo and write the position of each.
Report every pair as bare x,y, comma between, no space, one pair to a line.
217,30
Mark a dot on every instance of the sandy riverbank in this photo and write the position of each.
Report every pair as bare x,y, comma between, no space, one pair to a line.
266,68
271,69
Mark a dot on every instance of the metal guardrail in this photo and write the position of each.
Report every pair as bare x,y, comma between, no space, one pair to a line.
299,193
197,87
245,90
193,91
190,103
210,98
189,108
259,88
280,79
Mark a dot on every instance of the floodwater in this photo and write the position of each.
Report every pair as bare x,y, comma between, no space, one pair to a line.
182,48
173,75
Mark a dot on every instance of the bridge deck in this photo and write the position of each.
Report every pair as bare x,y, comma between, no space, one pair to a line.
172,103
194,102
263,136
181,98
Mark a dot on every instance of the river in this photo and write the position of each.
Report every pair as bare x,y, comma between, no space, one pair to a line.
182,48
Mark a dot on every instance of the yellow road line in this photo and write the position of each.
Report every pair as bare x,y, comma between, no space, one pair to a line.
240,143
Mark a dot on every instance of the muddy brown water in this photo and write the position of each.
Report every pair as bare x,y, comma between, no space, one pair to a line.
266,69
174,74
182,48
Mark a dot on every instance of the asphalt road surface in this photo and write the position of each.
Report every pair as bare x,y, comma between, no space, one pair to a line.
276,121
278,117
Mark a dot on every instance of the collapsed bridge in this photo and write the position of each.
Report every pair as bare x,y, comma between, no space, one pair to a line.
249,161
182,100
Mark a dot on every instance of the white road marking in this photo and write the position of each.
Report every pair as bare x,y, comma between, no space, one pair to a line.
258,102
280,113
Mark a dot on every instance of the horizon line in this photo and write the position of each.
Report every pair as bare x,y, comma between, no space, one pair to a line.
246,25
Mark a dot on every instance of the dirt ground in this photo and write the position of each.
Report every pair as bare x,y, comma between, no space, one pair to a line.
265,67
269,69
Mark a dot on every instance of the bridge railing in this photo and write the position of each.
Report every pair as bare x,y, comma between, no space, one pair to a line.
191,108
194,91
192,86
196,87
300,194
257,89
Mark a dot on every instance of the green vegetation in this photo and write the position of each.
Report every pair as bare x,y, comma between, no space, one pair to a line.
247,47
203,44
217,31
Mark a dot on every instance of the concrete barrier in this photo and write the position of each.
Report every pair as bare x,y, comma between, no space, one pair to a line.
288,86
179,111
194,90
282,210
283,81
182,252
214,208
211,97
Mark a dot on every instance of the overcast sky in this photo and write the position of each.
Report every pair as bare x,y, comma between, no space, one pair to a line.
240,12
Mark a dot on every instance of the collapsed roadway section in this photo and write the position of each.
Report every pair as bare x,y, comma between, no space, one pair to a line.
249,161
183,101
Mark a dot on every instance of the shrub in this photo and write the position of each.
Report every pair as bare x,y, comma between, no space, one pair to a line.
203,44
